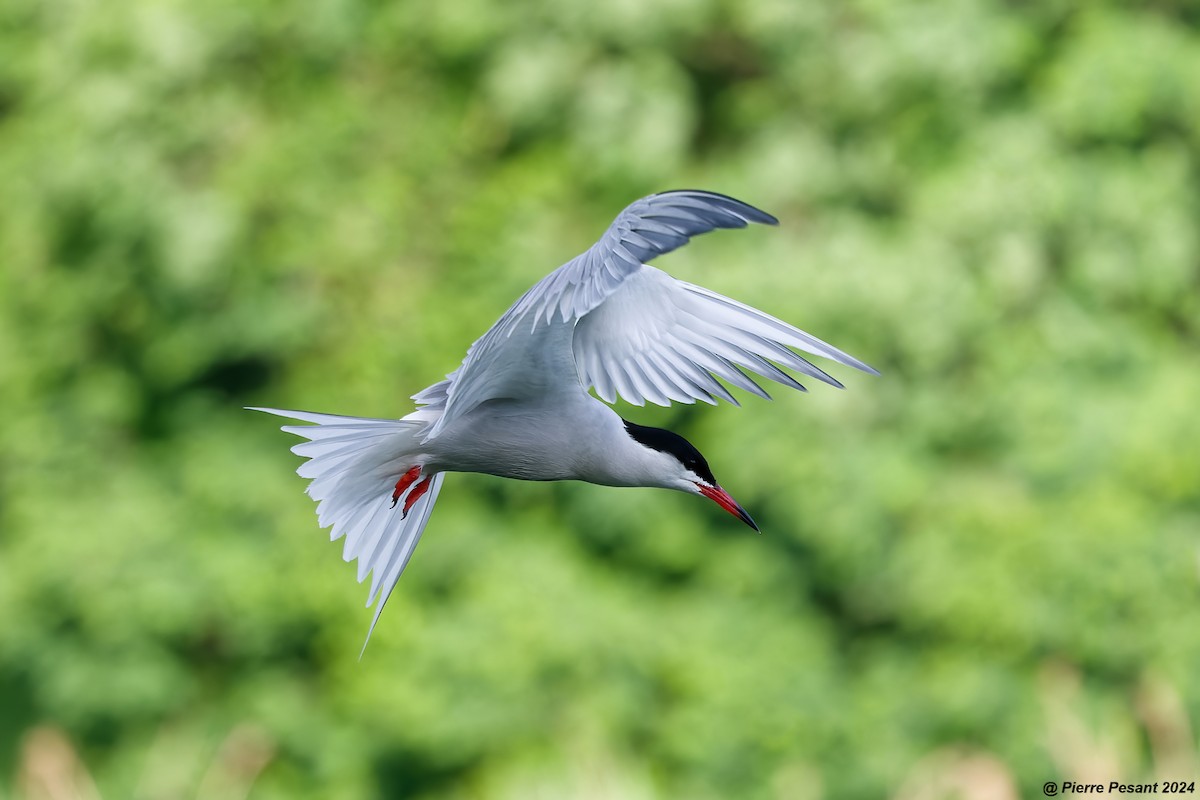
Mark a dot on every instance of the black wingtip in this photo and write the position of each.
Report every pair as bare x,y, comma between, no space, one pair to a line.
742,209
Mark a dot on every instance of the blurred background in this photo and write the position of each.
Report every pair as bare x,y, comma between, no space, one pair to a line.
977,573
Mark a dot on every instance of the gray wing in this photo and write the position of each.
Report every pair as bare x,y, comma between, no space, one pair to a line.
662,340
501,364
650,227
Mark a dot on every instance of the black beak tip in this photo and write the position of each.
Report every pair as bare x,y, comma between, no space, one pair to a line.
722,498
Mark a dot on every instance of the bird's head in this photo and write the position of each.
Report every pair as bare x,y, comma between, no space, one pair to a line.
683,468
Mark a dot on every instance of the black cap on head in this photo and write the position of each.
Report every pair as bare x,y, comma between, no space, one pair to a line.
673,444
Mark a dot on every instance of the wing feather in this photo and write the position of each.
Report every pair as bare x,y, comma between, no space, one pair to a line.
631,331
499,363
653,320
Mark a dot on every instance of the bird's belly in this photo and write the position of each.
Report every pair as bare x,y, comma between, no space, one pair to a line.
516,439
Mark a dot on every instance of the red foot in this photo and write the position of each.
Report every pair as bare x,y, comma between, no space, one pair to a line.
405,481
415,495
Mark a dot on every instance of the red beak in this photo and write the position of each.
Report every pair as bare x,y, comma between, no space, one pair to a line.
722,498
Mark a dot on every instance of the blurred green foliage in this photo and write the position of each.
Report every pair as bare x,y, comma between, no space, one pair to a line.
320,204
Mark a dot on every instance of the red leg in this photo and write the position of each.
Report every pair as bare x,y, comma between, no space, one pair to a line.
405,481
415,495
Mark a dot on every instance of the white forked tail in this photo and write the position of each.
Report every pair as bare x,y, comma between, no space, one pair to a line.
354,464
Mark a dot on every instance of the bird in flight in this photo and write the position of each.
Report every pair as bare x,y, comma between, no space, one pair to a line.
519,405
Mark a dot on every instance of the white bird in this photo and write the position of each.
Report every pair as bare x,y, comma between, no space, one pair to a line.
518,406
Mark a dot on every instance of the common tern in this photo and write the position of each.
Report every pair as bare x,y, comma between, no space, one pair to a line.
519,404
